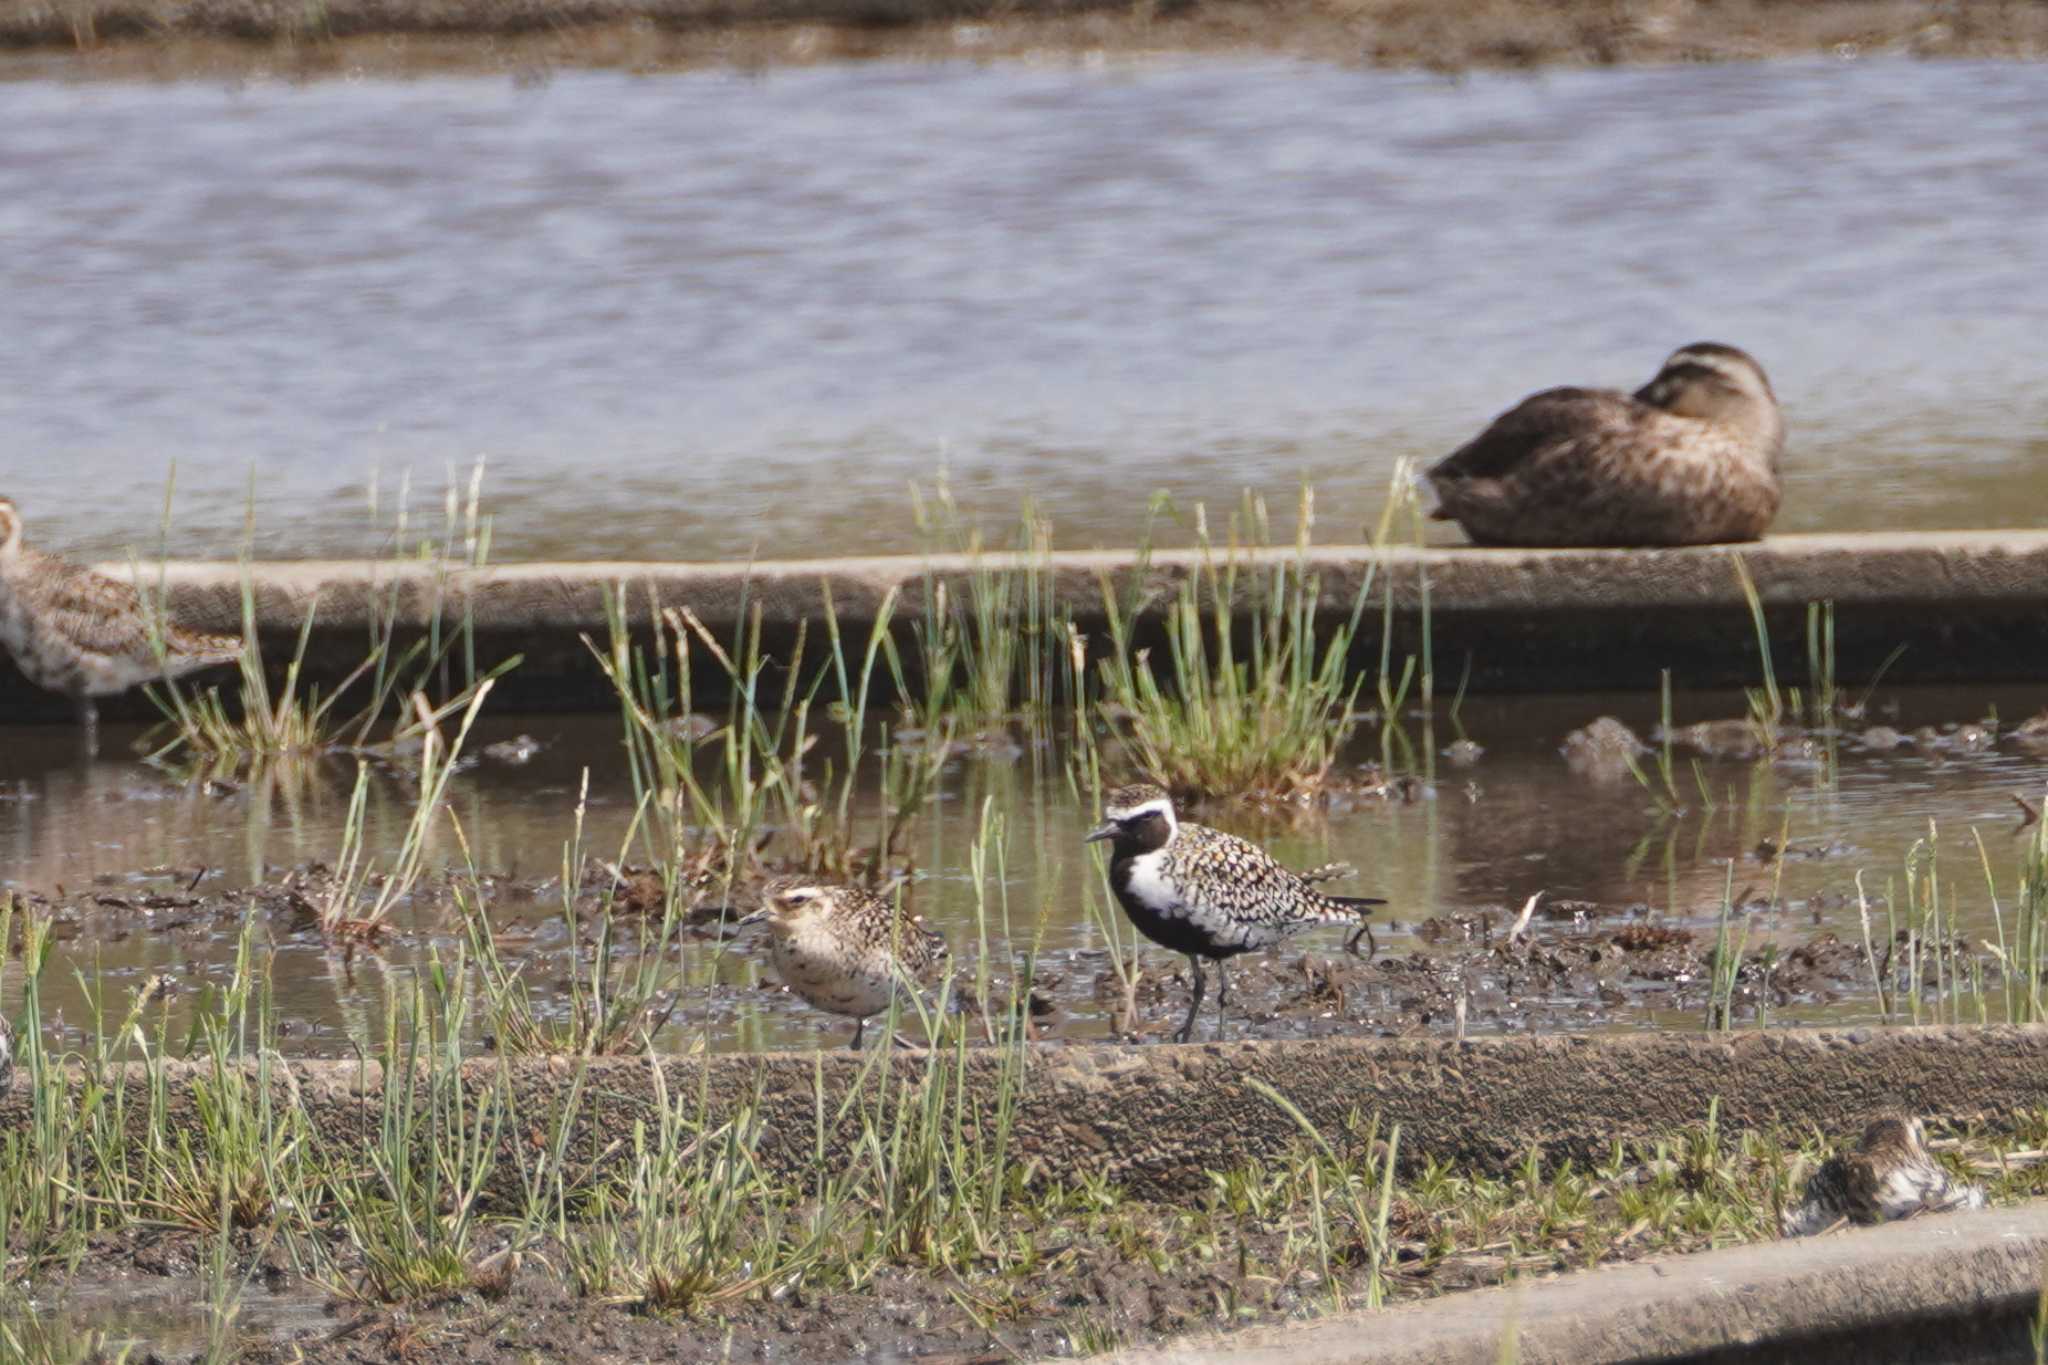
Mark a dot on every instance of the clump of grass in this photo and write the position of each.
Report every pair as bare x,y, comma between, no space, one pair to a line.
1255,697
407,1203
1367,1197
2023,958
990,640
357,900
262,725
764,780
615,993
1824,702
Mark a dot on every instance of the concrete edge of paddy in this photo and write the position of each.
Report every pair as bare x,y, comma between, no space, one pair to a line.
1158,1118
1966,606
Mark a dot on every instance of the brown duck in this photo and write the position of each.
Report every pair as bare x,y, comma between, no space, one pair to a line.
1690,458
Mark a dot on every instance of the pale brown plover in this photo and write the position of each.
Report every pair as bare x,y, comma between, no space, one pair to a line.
1208,894
85,635
1691,458
845,950
1889,1175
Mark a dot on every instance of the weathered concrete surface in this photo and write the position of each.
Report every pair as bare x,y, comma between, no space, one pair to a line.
1157,1119
1954,1288
1968,606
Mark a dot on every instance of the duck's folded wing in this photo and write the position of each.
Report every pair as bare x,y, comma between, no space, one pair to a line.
1539,425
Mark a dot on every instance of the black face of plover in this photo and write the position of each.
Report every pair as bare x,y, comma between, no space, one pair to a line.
1690,458
845,950
1207,894
85,635
1889,1175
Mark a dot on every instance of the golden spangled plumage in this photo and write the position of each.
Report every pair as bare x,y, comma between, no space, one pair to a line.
1691,458
1889,1175
845,950
83,634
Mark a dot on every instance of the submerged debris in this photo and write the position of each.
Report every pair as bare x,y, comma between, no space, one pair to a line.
515,751
1602,750
1738,740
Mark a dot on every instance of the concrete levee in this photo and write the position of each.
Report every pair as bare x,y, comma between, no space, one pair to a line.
1966,606
1157,1119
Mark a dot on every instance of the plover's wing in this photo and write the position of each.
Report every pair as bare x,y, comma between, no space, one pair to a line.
1218,873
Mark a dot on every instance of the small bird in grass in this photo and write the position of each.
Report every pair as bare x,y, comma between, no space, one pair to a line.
845,950
1691,458
85,635
1209,894
6,1054
1889,1175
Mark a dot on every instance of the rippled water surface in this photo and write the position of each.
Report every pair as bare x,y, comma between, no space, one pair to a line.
705,315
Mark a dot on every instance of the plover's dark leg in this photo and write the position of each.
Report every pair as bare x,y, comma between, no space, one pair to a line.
1363,931
1222,987
859,1027
1187,1028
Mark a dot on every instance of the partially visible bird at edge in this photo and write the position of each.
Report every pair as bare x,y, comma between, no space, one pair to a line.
1690,458
85,635
1887,1176
1211,895
847,951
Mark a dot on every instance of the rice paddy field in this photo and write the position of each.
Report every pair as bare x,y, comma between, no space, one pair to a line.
1102,268
263,876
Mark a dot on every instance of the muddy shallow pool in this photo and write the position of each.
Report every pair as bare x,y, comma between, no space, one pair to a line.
149,875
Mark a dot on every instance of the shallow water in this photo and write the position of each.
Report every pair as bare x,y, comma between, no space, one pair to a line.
675,309
1455,855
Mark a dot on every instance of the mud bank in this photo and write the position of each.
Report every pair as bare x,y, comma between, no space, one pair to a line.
1966,606
1156,1120
178,37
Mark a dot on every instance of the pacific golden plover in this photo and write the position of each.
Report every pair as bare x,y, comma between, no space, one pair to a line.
845,950
85,635
1208,894
1889,1175
1691,458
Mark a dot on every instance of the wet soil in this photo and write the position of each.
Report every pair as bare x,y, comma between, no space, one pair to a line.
1089,1289
1575,965
1113,1273
163,38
